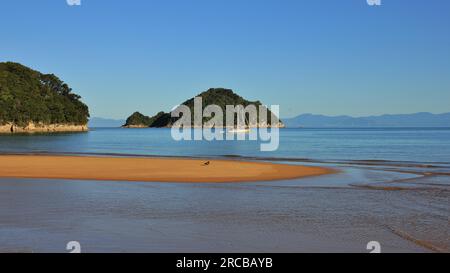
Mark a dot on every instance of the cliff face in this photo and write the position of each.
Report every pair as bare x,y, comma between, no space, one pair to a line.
31,127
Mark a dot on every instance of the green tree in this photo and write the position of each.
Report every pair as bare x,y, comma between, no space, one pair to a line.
30,96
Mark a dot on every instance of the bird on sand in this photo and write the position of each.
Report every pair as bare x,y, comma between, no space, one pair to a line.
206,163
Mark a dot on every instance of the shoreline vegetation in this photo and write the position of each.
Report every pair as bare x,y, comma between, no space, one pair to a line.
33,102
180,170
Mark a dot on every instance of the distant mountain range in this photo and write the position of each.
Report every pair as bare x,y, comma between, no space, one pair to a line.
105,122
404,120
321,121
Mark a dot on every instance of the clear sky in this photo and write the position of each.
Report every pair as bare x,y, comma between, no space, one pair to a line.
309,56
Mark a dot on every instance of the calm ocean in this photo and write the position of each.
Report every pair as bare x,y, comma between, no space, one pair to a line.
415,144
393,188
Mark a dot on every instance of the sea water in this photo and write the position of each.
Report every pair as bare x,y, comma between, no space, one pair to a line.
393,187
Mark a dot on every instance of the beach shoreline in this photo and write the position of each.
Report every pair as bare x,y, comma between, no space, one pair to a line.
179,170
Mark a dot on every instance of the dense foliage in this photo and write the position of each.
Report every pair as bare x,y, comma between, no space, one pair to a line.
30,96
159,120
221,97
138,119
218,96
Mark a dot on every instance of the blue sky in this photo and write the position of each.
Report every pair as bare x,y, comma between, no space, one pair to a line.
309,56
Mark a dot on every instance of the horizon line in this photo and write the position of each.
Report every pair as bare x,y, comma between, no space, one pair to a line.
313,114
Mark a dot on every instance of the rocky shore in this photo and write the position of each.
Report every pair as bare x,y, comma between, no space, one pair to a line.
135,126
31,127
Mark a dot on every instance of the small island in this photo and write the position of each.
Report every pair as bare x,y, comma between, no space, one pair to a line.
217,96
138,120
31,102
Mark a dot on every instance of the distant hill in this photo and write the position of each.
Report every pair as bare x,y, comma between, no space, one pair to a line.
217,96
404,120
104,122
138,120
33,101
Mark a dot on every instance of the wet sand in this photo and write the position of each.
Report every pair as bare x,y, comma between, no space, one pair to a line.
341,212
149,169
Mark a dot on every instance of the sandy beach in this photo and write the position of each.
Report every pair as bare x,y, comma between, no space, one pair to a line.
148,169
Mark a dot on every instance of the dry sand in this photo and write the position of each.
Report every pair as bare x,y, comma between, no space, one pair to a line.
148,169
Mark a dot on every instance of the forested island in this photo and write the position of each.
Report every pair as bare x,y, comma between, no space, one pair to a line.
217,96
138,120
31,101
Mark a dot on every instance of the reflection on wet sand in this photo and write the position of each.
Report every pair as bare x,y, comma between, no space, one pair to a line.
422,243
429,181
403,205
